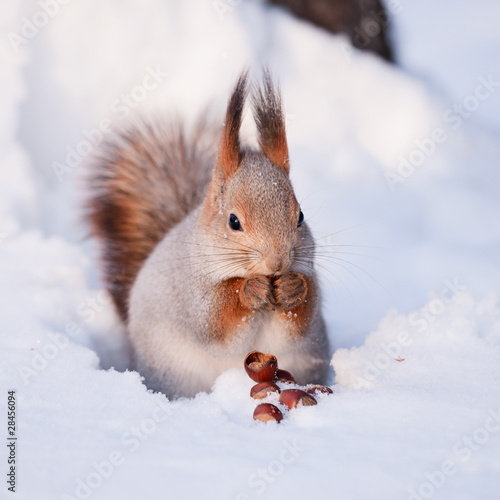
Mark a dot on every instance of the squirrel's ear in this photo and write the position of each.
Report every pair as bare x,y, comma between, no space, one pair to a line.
268,114
229,152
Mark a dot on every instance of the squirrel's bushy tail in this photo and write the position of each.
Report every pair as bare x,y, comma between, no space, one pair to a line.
144,180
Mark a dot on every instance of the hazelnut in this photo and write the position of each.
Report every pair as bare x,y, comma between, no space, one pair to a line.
260,391
284,376
266,412
315,388
261,367
296,397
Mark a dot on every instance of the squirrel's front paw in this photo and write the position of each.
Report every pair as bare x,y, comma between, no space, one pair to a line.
256,293
289,290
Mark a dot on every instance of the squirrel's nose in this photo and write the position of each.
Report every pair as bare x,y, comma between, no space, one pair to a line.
277,264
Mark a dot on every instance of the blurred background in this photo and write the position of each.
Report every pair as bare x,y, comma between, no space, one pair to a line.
393,117
393,123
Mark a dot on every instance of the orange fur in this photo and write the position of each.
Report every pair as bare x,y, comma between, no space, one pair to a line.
289,290
229,154
270,121
209,285
229,151
256,293
226,310
299,316
293,297
144,182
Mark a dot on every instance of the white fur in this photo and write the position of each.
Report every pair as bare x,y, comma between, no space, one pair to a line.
168,308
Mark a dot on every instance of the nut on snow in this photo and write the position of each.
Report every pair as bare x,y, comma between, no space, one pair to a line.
261,367
284,376
266,412
315,388
296,397
260,391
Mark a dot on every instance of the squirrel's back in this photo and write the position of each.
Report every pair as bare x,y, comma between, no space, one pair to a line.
145,180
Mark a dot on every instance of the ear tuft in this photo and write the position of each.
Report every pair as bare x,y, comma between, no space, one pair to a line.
268,114
229,152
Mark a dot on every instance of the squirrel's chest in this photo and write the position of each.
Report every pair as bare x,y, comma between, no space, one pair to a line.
265,331
268,332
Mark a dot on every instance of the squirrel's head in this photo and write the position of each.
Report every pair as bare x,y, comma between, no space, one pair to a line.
251,211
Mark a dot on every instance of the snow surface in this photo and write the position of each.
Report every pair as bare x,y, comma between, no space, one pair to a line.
410,274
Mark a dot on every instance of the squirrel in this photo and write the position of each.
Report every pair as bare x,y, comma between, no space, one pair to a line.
206,252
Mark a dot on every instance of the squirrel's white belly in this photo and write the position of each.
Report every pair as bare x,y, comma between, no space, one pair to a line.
180,247
174,364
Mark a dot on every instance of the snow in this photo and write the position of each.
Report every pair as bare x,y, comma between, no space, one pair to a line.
409,274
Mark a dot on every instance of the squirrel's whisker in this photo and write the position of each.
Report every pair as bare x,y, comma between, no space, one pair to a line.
195,230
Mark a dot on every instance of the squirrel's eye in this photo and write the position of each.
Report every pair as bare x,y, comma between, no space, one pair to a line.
234,223
301,219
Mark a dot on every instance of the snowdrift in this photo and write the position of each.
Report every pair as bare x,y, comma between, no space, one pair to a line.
396,168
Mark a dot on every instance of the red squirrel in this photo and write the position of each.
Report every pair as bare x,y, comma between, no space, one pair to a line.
206,251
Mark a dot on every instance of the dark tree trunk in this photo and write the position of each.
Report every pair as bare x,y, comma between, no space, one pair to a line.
365,22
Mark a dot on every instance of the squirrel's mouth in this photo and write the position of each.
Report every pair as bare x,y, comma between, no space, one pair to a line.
273,269
278,264
256,264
